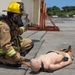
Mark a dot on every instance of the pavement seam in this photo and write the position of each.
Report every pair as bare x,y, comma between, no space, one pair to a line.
32,34
39,48
43,35
35,55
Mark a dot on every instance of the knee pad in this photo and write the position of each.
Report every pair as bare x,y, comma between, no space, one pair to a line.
31,46
26,51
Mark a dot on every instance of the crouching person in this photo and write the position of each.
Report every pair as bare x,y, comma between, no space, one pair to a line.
53,60
12,46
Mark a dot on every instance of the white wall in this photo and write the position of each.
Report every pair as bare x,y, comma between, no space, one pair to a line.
32,8
28,6
36,11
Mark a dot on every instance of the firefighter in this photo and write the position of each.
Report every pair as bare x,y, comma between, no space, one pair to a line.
12,46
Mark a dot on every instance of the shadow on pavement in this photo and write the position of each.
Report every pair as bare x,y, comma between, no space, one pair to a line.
48,71
8,67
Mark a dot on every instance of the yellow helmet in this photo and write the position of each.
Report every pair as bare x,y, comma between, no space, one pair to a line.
16,7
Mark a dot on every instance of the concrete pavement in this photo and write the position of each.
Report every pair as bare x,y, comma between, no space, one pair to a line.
45,41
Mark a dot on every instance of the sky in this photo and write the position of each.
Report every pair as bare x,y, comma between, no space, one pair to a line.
59,3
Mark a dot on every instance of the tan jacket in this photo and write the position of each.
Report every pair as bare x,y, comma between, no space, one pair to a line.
8,35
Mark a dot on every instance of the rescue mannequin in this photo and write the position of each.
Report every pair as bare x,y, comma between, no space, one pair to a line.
52,60
12,45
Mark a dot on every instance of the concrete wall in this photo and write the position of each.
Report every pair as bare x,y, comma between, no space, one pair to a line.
32,8
28,5
36,11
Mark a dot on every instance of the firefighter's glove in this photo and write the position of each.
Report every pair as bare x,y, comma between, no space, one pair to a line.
18,59
21,30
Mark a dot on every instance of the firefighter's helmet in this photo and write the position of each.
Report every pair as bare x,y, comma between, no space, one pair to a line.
15,7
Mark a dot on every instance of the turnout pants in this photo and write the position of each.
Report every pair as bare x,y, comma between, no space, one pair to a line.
26,44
